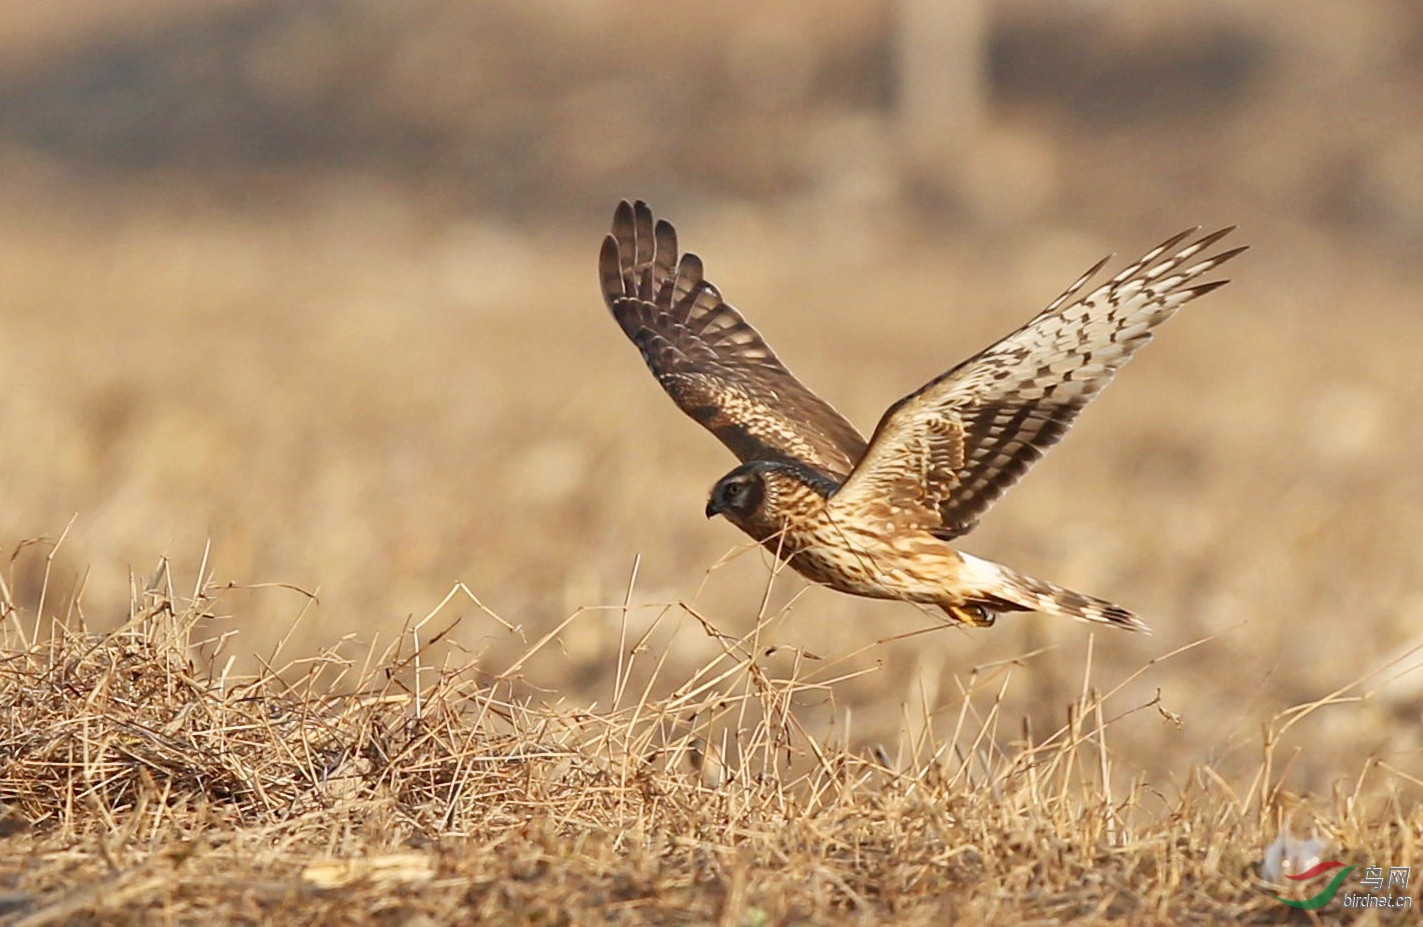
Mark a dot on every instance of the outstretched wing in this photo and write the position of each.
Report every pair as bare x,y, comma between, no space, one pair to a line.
714,365
972,432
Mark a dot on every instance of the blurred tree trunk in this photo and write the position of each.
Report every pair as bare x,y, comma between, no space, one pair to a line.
941,65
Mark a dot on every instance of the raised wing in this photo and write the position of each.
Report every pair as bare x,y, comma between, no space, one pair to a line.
973,431
714,365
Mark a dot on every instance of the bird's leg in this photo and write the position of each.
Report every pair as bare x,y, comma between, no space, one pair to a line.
971,614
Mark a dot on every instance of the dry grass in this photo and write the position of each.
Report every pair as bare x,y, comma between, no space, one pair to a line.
327,410
144,782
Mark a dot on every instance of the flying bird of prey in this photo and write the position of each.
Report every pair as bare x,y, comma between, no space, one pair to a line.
876,518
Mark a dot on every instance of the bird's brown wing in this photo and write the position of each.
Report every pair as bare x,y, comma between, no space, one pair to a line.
709,360
991,417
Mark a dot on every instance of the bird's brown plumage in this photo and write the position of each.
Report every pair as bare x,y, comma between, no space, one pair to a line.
709,360
874,518
969,434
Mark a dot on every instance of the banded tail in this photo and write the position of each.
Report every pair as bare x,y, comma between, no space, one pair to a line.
1005,589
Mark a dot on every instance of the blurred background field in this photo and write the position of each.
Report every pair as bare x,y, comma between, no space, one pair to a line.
315,283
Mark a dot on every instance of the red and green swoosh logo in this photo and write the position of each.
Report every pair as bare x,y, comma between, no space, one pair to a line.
1330,890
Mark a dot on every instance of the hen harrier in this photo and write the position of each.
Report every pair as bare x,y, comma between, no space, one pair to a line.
875,519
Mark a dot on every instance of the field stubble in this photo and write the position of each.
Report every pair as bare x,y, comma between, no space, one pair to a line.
371,406
144,780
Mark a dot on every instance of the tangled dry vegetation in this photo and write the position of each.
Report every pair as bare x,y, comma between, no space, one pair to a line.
144,783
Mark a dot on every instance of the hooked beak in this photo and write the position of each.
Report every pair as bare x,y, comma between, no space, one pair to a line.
712,508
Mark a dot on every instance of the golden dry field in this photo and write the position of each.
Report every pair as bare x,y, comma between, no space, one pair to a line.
353,568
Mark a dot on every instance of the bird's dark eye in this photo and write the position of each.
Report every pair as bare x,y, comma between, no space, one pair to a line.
733,490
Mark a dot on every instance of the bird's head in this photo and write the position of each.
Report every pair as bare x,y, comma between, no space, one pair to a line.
761,495
740,493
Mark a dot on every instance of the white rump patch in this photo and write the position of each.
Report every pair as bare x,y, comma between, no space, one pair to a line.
981,574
